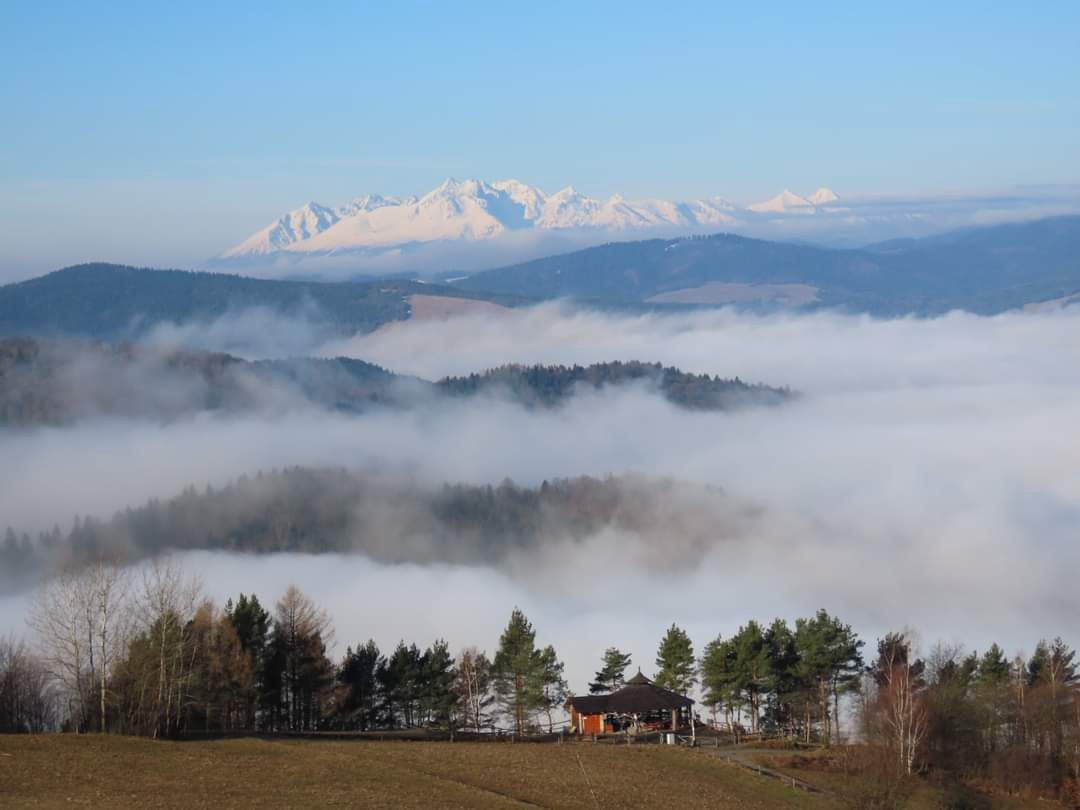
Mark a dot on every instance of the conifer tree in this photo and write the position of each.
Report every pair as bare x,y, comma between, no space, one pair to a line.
718,678
677,669
830,661
751,665
610,677
439,698
517,672
553,686
357,674
251,622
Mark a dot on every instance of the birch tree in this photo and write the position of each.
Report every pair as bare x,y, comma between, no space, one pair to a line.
81,620
167,601
901,710
473,688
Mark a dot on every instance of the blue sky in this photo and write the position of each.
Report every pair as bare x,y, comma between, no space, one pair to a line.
163,134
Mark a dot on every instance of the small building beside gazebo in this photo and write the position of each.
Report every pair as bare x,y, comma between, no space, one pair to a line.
640,705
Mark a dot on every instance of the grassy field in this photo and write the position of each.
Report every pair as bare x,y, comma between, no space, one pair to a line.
97,771
107,771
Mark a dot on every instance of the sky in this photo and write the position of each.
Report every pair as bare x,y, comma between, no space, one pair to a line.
163,135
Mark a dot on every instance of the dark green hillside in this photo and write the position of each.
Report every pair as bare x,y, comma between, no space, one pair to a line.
983,270
547,386
634,271
115,302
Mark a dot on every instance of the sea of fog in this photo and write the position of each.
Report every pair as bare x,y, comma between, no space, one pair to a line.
928,477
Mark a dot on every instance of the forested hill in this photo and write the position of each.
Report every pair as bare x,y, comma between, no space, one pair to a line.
982,270
46,382
333,510
55,382
116,302
547,386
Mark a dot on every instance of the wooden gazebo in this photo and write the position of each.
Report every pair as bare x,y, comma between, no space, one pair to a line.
640,705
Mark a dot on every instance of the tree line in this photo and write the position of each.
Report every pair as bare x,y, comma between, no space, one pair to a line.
60,381
142,651
318,510
549,386
1013,722
145,653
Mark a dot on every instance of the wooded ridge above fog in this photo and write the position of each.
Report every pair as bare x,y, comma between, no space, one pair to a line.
51,382
390,518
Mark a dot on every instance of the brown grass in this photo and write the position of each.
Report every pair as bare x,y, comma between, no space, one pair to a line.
441,308
856,775
97,771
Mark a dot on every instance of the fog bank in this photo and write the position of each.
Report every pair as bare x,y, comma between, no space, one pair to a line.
930,477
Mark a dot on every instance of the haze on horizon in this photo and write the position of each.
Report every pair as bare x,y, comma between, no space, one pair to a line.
147,137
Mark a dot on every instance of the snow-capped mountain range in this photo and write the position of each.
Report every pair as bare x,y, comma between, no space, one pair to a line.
473,210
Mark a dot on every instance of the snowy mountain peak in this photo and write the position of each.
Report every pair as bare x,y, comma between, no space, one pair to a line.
299,225
785,202
530,198
366,202
788,202
449,185
823,196
473,209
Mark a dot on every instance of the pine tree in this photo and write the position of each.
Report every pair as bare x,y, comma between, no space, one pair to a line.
830,662
751,667
440,701
399,679
357,674
252,625
718,678
610,677
677,669
553,687
782,682
517,672
993,667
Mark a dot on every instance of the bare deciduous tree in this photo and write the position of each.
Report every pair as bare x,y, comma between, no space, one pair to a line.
28,699
900,715
166,602
473,688
81,621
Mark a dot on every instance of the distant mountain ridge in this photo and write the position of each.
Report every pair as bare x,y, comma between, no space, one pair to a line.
982,270
473,210
117,302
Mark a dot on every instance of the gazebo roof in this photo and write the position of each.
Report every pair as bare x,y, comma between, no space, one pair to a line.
638,695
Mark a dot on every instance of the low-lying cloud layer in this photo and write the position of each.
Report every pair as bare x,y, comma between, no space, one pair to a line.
930,476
